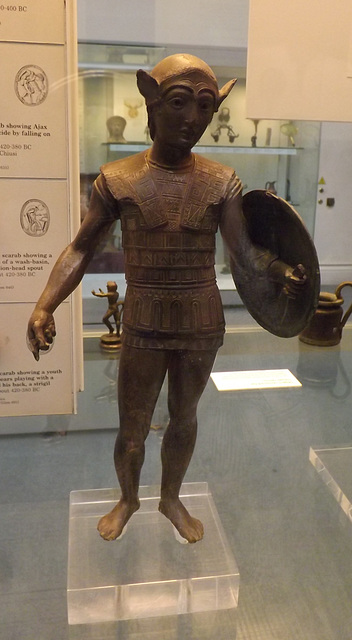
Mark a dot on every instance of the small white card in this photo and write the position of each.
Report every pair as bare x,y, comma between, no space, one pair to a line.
33,108
34,231
28,387
33,21
266,379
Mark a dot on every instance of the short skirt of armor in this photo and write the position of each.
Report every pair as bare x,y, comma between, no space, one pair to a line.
187,318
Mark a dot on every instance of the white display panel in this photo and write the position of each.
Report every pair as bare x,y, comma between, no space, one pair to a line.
33,130
39,188
28,387
33,229
19,21
299,60
349,70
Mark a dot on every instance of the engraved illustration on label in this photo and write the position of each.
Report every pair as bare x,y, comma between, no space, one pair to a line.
31,85
35,217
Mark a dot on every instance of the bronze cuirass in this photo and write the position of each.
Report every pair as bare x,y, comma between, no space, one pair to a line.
169,220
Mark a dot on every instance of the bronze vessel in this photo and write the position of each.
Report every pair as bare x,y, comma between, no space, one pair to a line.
325,327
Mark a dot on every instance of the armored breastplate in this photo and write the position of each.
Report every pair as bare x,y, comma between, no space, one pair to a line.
156,191
169,220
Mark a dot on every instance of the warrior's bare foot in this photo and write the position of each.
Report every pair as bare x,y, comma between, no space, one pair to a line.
189,528
111,525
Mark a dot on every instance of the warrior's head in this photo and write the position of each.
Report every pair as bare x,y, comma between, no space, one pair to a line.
186,73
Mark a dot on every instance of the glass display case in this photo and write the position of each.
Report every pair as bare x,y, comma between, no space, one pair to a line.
280,156
275,460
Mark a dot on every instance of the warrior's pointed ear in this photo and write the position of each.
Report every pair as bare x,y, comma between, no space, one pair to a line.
225,90
147,85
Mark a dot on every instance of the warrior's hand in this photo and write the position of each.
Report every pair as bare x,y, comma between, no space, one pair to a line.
294,280
41,332
290,278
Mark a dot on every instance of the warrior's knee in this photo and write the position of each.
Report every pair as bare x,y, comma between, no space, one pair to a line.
133,445
183,428
183,417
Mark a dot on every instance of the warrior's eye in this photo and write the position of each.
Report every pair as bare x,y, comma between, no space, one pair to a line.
177,102
206,105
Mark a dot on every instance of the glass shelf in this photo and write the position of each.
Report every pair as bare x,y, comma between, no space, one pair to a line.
281,151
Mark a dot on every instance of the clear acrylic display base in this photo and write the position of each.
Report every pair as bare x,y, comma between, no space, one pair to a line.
150,570
335,469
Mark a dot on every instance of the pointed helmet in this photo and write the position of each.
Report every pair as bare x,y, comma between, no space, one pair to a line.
180,66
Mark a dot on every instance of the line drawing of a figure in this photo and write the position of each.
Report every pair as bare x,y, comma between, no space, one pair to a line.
31,85
35,217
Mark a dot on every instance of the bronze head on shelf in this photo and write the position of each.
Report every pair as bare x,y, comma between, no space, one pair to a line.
116,126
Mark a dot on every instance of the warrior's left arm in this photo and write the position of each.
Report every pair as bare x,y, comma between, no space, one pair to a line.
251,260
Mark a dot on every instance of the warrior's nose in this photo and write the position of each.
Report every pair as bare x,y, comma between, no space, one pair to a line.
192,114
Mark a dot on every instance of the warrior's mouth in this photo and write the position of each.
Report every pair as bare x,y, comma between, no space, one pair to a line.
189,133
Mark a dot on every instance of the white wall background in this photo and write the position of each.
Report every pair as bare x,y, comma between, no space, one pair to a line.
199,22
333,226
300,59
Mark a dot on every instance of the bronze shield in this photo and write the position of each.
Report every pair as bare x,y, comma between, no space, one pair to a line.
275,225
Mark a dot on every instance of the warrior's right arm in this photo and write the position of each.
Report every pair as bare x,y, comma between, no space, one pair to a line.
67,274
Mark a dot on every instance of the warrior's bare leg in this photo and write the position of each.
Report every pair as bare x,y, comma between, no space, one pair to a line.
107,321
141,375
189,372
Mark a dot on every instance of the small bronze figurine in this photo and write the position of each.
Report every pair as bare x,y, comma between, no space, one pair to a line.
170,202
224,123
254,137
111,341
